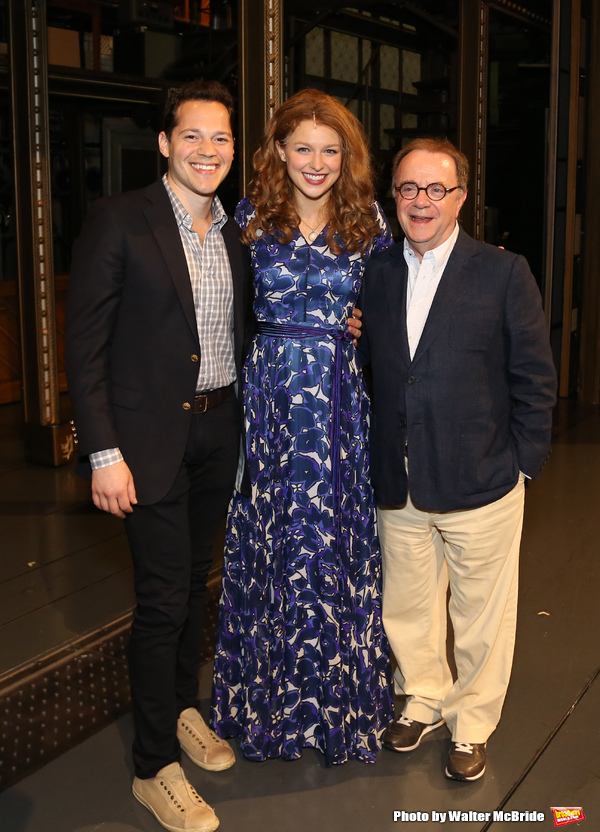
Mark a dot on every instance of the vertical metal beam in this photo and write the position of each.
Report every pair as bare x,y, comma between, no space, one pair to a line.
565,359
46,440
273,55
261,74
472,111
551,163
590,313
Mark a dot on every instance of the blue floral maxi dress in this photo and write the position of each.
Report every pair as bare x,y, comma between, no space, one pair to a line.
302,659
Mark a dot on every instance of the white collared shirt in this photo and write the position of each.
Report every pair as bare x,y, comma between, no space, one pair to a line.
423,280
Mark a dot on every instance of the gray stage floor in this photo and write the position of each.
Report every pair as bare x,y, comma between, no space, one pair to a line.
545,752
65,568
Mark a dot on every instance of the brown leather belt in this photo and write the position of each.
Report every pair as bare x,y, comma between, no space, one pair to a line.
204,401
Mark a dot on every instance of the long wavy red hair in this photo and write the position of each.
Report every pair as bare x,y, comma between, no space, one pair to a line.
352,223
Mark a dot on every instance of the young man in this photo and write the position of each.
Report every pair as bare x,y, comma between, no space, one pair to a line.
158,316
464,387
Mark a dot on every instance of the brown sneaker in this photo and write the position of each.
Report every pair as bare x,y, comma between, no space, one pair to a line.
202,745
404,734
174,802
466,761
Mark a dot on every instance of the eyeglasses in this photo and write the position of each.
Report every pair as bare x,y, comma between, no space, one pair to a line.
435,190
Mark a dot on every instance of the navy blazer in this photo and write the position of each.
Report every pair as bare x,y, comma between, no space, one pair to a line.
474,406
132,346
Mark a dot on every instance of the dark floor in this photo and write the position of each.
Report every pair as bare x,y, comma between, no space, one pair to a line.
64,566
545,752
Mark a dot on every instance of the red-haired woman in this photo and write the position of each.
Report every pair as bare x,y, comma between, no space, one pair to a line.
302,659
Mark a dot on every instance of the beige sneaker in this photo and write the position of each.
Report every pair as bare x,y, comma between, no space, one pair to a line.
174,802
202,745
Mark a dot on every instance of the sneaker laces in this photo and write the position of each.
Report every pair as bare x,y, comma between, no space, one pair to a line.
194,730
465,747
405,720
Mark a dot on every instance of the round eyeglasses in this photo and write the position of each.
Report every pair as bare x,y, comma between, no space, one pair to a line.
435,190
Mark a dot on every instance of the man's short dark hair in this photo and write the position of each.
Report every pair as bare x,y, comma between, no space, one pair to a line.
194,91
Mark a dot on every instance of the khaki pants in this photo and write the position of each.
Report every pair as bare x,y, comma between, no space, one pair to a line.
476,552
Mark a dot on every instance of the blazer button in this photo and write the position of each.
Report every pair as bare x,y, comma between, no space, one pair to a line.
186,406
402,423
194,358
411,379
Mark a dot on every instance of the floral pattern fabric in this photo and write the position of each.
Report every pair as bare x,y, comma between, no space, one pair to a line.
302,659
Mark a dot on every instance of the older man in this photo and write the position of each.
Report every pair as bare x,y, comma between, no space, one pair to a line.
464,387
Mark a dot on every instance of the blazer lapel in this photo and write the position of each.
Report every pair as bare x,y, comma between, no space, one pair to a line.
238,273
454,284
161,219
396,280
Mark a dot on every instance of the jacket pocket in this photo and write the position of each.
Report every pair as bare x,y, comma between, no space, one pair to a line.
487,457
126,397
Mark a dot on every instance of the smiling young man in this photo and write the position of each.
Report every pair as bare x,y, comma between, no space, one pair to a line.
158,317
464,387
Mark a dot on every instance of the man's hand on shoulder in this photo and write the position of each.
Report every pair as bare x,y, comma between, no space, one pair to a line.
113,489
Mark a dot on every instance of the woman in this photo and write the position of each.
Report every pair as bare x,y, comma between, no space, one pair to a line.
302,659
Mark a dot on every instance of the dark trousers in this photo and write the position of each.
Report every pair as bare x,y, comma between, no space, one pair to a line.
171,546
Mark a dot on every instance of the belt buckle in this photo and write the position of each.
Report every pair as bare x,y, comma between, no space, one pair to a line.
202,399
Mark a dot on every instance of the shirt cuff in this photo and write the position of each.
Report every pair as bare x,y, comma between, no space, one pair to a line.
102,459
